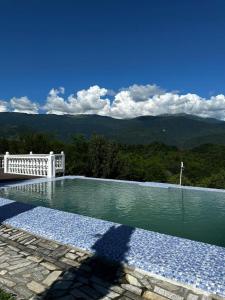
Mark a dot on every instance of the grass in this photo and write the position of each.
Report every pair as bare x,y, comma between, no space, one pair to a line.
5,296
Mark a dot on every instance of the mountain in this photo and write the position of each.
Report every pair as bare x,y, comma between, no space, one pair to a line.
180,130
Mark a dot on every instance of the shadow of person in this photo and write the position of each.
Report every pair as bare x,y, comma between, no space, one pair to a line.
97,276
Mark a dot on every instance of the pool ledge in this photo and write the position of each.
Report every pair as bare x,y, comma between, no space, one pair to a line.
191,263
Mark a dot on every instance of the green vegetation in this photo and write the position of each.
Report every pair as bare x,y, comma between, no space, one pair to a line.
183,131
5,296
100,157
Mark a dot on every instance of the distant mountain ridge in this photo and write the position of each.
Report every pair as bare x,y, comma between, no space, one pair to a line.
180,130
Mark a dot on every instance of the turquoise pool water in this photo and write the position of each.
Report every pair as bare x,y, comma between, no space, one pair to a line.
193,214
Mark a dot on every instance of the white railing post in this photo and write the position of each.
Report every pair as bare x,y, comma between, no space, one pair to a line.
6,162
51,165
63,162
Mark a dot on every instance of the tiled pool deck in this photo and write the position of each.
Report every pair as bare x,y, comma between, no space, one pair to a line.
191,263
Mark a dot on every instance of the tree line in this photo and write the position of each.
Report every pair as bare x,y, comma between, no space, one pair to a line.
100,157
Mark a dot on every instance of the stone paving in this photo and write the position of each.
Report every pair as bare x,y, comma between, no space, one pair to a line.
35,268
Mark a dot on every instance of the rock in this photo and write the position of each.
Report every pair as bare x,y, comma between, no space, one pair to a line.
36,259
70,262
167,294
4,265
3,272
45,272
19,265
132,288
144,281
62,285
101,289
30,241
17,271
52,277
80,253
69,275
13,248
38,276
72,251
71,256
100,281
90,292
55,294
152,296
132,280
192,297
49,266
60,251
112,295
23,291
36,287
7,282
24,253
79,294
117,289
132,296
48,245
105,291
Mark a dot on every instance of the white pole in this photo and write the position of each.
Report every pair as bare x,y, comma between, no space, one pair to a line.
181,172
51,165
6,162
63,162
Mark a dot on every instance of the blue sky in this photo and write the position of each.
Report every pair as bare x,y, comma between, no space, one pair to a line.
114,44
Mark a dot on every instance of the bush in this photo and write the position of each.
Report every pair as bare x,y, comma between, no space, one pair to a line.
217,180
5,296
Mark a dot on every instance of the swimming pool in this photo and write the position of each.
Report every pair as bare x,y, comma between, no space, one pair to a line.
188,213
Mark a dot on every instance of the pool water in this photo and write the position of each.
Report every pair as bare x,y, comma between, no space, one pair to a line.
193,214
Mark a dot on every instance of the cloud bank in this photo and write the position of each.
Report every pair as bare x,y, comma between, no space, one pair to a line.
20,105
130,102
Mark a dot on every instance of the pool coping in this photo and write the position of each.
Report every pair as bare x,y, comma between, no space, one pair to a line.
202,266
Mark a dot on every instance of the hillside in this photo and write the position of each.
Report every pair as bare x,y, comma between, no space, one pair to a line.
179,130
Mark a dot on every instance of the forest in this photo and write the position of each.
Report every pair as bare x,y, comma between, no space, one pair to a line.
104,158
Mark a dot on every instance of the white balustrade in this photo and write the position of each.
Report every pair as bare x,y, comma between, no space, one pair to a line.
44,165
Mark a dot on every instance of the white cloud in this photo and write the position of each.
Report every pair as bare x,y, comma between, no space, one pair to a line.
56,104
23,105
143,92
125,106
3,106
84,102
134,101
